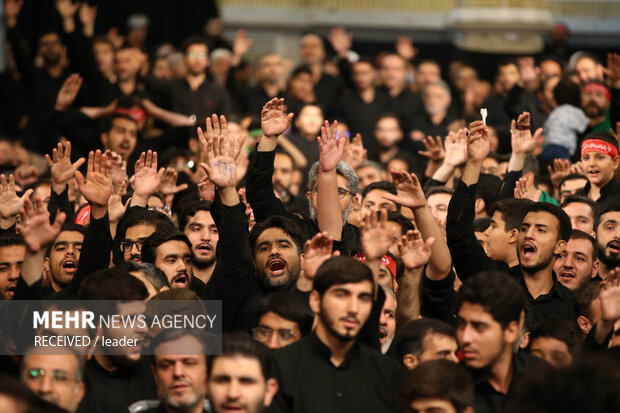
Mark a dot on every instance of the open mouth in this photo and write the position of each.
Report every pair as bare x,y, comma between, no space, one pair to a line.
204,249
614,247
180,281
567,275
69,266
10,290
276,267
528,250
383,333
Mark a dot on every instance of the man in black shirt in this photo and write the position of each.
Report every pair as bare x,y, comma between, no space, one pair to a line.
171,252
12,251
490,310
330,371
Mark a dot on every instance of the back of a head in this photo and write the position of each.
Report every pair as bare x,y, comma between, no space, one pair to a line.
498,293
341,270
567,92
176,294
438,379
289,306
242,344
112,284
488,189
153,274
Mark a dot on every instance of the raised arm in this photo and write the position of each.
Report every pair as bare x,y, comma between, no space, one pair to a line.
10,203
456,154
62,171
331,148
147,178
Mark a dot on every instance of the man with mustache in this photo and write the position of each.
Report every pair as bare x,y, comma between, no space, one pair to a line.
341,373
196,221
608,238
171,253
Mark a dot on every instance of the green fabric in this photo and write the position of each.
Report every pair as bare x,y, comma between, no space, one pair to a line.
545,197
605,125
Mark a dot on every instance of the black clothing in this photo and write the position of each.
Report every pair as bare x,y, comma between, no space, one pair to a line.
98,399
366,381
251,100
489,400
438,298
423,123
610,193
327,91
265,204
128,385
406,105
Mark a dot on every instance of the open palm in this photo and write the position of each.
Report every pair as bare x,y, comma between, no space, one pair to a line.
97,186
414,251
273,120
331,147
10,203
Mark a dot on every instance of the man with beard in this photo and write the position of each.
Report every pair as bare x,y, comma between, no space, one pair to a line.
196,222
171,252
577,265
239,378
608,238
12,251
179,367
248,266
345,374
333,184
596,100
138,225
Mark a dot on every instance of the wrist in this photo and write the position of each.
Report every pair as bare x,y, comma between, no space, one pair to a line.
139,200
267,143
59,188
98,211
6,223
228,195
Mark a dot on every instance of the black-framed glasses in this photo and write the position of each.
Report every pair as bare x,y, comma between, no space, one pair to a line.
263,334
342,192
39,374
128,244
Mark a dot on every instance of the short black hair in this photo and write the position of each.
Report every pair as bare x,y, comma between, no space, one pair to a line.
153,274
341,270
112,284
571,177
497,292
194,40
488,190
481,224
438,379
571,199
190,210
409,338
150,245
564,225
135,217
584,297
567,92
242,344
400,219
277,221
438,190
576,234
9,239
301,69
108,122
289,306
603,136
513,211
391,115
381,186
561,329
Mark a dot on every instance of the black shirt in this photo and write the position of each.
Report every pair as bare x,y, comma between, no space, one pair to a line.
406,105
423,123
366,381
610,193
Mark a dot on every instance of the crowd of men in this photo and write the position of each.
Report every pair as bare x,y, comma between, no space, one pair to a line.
414,254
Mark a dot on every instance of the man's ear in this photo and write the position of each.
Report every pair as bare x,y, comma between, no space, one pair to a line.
479,206
512,332
410,361
514,234
308,195
560,246
46,265
271,388
584,324
315,302
355,200
594,268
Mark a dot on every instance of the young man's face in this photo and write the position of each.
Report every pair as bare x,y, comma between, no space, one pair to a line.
343,309
438,203
11,260
387,322
52,377
181,379
480,336
276,258
134,237
310,120
367,175
490,166
439,346
498,240
374,201
64,257
600,167
237,383
276,331
203,235
282,172
587,70
581,216
197,59
553,351
508,77
571,187
363,75
174,258
104,54
538,242
608,238
575,266
388,132
122,137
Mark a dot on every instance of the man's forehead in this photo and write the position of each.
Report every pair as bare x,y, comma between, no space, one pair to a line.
69,236
361,286
173,246
237,365
12,251
540,218
202,217
610,216
579,245
273,234
439,198
474,313
50,361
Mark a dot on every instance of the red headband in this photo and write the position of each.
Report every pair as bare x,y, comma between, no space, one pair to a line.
136,113
385,260
83,216
597,145
598,88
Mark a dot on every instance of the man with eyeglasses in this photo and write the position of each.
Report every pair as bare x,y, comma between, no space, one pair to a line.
139,224
333,184
283,320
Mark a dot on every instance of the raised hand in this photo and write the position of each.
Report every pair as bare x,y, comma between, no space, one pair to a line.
478,146
117,168
116,208
410,193
26,175
557,172
35,227
66,8
61,168
221,153
88,15
11,11
375,236
147,178
612,71
67,93
609,296
273,120
521,139
434,149
331,147
414,251
10,203
206,189
316,251
241,44
341,40
525,189
97,187
456,148
169,185
404,47
354,152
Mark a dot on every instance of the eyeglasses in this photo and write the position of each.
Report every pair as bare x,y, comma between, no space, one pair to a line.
128,244
263,334
342,192
56,375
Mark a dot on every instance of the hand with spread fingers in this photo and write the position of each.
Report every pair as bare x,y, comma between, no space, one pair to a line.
221,153
169,185
97,186
375,236
316,251
147,178
62,170
354,152
410,193
116,208
521,139
331,147
35,227
10,203
273,119
414,251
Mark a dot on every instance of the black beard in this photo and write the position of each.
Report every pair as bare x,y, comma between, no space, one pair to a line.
326,322
202,264
609,262
534,269
280,284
